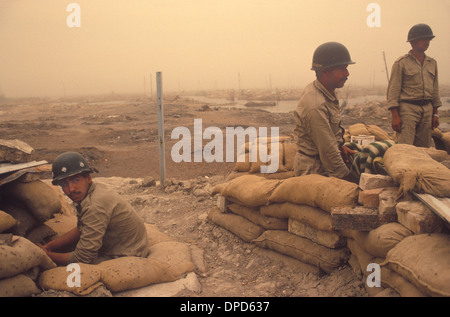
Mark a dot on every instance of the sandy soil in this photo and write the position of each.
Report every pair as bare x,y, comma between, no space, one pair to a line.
119,138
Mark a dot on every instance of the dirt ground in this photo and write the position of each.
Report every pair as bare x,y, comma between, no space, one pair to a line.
118,135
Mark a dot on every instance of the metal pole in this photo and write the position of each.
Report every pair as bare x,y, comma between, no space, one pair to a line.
162,159
385,65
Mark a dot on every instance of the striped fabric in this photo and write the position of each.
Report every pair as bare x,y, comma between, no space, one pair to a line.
369,158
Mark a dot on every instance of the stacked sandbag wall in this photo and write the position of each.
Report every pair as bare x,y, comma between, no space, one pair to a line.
290,216
296,217
27,204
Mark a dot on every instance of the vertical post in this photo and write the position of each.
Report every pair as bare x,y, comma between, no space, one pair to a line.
162,159
385,65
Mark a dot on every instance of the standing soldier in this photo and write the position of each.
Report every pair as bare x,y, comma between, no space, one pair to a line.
319,133
413,91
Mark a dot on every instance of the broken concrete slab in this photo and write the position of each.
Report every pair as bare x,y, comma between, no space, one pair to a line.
15,151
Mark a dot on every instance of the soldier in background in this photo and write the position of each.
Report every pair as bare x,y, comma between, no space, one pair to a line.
319,133
413,91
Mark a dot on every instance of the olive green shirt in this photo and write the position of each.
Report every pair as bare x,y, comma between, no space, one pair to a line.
410,80
318,128
109,227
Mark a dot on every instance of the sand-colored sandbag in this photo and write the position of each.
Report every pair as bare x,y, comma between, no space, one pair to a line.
21,256
6,221
424,260
264,158
414,170
368,129
254,215
25,220
127,273
58,278
174,256
379,241
442,139
242,163
238,225
303,249
250,190
18,286
39,199
312,216
155,236
328,239
399,284
61,223
290,150
41,234
437,155
316,191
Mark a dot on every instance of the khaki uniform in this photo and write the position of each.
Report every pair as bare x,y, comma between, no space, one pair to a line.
414,89
109,228
319,134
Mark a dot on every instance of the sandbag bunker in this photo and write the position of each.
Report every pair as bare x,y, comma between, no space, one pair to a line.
34,211
326,222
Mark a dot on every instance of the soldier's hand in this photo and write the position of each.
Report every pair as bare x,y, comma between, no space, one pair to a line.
435,122
396,124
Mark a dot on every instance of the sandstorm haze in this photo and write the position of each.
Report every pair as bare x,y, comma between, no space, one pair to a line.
201,44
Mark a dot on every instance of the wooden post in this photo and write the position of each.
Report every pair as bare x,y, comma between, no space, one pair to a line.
162,159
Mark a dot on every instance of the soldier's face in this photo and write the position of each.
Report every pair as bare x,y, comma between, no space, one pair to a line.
421,44
338,76
76,187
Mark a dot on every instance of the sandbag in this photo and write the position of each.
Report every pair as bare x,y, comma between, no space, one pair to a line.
155,236
382,239
399,284
368,129
133,272
254,215
326,238
303,249
315,217
175,256
424,260
238,225
18,286
39,199
57,279
6,221
316,191
25,220
290,150
21,256
250,190
415,170
41,234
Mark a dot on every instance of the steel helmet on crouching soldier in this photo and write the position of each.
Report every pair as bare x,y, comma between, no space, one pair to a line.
69,164
420,31
330,54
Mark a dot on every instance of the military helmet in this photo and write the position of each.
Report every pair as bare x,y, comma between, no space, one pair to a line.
420,31
69,164
329,55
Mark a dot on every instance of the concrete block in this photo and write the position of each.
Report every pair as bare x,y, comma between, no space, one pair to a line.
418,218
386,208
355,218
372,181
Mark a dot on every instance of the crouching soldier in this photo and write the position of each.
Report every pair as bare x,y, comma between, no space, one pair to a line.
107,225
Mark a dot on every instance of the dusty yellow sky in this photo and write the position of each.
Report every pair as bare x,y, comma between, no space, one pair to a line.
202,44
